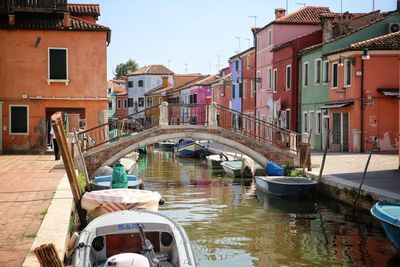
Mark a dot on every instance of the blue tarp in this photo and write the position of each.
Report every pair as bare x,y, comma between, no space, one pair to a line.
274,169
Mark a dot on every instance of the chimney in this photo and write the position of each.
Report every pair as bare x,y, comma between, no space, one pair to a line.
164,81
279,12
66,21
11,20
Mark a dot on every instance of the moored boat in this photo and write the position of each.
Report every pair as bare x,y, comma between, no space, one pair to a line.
104,182
140,237
190,149
233,168
103,201
166,145
214,161
285,186
388,213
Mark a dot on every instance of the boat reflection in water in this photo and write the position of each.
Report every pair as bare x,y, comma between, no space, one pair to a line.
287,205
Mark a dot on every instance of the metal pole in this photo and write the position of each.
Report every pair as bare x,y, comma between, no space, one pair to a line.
365,172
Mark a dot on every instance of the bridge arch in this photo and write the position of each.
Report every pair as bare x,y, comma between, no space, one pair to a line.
258,151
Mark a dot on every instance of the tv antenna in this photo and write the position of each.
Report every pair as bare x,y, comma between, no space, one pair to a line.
255,20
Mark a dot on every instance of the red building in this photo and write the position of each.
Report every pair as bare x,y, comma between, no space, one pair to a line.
285,73
249,84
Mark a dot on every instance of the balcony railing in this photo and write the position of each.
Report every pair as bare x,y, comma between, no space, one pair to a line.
33,5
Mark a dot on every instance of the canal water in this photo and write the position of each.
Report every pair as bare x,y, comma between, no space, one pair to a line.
231,224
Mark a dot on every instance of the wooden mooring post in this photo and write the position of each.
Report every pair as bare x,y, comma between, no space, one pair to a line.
59,131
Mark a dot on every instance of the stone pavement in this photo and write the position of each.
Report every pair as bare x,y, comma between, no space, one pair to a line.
382,178
27,186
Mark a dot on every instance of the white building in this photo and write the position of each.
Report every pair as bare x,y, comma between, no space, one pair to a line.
142,81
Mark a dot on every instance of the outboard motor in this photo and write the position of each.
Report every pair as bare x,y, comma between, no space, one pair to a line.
127,260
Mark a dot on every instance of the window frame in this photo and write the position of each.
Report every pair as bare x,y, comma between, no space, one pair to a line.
143,102
347,73
244,88
318,122
269,35
269,73
325,73
142,83
125,103
49,80
275,80
332,76
304,125
248,62
252,91
258,84
118,103
306,77
289,66
130,84
10,120
317,72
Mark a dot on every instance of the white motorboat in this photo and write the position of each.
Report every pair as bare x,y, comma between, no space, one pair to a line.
103,201
133,238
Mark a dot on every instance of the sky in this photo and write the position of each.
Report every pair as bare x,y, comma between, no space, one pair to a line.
191,36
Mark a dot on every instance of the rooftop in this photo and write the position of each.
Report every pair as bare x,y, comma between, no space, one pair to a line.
84,9
152,70
305,15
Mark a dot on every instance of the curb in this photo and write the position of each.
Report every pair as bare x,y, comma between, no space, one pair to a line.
55,225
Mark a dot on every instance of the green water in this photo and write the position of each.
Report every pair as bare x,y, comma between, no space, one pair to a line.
231,224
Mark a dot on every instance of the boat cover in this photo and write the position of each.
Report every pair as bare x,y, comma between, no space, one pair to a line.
104,201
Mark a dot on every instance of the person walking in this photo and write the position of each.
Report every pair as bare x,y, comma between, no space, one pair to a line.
53,138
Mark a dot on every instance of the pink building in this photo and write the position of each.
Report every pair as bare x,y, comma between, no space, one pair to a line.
280,30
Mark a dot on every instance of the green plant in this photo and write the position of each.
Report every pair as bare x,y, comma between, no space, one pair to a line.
291,171
82,182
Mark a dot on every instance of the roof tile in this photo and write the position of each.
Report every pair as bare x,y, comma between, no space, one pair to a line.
388,41
84,9
152,70
305,15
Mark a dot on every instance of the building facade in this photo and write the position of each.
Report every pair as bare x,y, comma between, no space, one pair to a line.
45,72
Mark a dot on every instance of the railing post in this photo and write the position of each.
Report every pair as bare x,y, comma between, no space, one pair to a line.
212,114
163,114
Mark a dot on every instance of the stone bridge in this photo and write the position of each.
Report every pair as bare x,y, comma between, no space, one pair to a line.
257,139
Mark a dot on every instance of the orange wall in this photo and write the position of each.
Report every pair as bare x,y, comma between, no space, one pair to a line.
380,71
24,70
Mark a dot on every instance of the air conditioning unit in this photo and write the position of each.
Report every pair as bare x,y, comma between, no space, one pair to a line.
394,27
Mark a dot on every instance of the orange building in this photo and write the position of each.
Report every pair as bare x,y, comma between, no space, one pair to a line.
364,95
52,59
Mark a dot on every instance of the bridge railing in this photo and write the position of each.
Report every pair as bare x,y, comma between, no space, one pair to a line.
257,129
185,114
119,128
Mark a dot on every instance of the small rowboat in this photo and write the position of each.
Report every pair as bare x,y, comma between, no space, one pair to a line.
104,201
132,238
388,213
284,186
190,149
104,182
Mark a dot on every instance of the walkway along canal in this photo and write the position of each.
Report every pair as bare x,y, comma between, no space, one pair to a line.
231,224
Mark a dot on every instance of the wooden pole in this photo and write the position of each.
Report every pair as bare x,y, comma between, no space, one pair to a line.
83,160
70,169
324,157
307,155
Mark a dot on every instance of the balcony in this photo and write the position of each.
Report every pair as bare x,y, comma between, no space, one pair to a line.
41,6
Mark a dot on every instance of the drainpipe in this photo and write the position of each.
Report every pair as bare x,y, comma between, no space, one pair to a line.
362,108
255,81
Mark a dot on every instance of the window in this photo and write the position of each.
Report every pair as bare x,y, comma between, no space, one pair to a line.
305,122
317,71
248,62
258,82
233,91
269,78
275,80
288,76
130,84
269,38
237,65
118,104
130,102
193,99
334,75
288,119
258,43
141,102
318,123
19,119
58,64
347,72
109,104
240,90
125,103
140,83
252,87
305,74
325,72
244,88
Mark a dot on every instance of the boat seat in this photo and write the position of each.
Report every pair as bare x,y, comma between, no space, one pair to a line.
123,243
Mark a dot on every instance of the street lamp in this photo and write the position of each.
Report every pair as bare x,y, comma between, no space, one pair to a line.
365,55
340,62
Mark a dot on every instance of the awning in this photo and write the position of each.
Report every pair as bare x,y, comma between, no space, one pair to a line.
337,104
391,92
